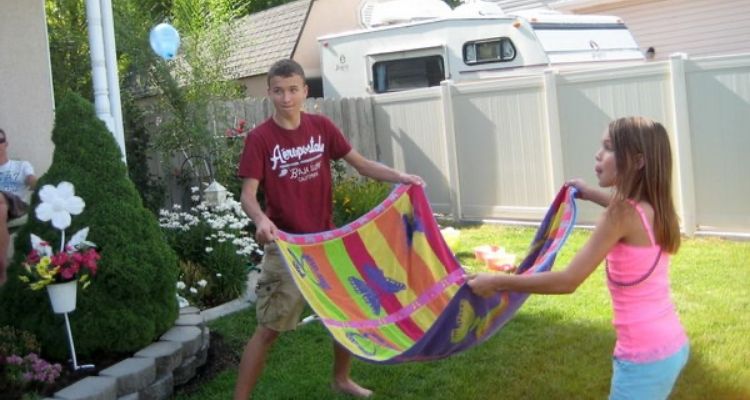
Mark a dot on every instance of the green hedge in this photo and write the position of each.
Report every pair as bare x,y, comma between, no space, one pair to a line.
132,299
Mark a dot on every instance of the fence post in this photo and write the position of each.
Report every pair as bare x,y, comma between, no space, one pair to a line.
449,134
554,139
682,142
366,127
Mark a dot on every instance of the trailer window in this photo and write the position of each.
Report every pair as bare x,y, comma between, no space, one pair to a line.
490,50
407,73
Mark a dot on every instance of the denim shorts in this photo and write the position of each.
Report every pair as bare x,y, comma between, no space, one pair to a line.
653,380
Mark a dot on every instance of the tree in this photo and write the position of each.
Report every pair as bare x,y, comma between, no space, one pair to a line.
132,299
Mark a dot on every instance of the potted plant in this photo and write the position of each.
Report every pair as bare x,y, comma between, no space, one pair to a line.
75,262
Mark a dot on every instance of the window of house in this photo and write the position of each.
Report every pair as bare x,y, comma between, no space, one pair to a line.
490,50
407,73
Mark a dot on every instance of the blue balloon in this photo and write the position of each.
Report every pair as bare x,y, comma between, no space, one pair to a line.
165,40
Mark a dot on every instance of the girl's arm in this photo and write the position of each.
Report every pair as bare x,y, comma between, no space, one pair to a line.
606,235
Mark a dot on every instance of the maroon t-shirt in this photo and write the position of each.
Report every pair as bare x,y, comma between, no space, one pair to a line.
293,167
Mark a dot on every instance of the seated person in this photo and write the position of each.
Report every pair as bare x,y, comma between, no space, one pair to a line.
15,178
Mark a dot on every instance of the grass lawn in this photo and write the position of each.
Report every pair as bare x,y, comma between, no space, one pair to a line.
556,347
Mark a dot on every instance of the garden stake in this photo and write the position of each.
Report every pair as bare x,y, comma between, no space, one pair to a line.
76,367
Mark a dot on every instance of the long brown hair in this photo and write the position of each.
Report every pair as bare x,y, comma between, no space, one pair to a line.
644,173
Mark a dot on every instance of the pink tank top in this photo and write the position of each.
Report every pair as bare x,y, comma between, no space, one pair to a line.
647,326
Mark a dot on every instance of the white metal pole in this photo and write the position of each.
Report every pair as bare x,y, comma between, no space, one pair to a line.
98,69
113,81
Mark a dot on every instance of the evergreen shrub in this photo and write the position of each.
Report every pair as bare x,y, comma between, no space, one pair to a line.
132,299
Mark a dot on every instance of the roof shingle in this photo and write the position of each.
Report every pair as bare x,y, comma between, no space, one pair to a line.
262,38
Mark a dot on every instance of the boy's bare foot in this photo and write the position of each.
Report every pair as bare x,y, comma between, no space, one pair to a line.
351,388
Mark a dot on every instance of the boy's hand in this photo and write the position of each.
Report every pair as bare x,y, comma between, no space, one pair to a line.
412,179
265,232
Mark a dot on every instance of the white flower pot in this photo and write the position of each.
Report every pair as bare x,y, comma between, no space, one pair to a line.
63,296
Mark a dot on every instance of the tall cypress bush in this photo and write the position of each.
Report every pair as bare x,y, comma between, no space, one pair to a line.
131,300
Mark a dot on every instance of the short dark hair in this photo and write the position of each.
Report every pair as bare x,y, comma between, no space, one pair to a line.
2,132
285,68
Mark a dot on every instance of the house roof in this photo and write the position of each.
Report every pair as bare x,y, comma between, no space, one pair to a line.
264,37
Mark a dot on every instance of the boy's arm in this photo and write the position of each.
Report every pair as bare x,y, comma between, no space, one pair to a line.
31,181
381,172
265,229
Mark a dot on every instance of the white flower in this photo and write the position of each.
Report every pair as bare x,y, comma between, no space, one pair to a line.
193,290
218,274
180,285
58,204
209,249
202,283
182,302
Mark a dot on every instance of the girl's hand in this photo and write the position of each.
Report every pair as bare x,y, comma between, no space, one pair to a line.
581,186
483,284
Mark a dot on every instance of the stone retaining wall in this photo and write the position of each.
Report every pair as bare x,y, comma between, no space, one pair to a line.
154,371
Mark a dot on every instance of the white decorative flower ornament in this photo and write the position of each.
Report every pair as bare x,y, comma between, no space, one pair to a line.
58,204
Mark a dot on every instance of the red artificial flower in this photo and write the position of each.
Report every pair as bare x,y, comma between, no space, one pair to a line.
33,257
59,259
69,271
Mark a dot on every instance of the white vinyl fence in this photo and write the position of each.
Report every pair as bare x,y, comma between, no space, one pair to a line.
500,150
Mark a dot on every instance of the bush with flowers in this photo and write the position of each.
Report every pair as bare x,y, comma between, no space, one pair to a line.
23,374
30,371
216,249
76,260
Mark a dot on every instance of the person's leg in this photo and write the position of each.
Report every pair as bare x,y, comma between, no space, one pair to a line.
4,239
342,382
253,360
277,308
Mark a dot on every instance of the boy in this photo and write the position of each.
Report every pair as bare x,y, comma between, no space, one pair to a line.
15,177
289,154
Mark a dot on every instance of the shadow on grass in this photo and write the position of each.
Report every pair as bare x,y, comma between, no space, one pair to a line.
700,380
539,355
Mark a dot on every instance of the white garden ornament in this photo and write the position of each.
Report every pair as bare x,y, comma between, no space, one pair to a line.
58,204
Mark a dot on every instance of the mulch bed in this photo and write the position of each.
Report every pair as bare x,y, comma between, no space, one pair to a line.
221,356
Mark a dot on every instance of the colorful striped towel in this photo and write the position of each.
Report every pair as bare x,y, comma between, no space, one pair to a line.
390,290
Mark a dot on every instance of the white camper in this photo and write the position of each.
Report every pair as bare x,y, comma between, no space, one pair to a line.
468,46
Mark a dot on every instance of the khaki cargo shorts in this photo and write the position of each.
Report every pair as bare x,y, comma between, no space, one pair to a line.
279,303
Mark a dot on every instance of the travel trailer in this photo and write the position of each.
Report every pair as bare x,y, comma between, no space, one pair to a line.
463,46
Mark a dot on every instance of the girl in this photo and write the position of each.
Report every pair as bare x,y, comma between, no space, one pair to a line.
636,235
